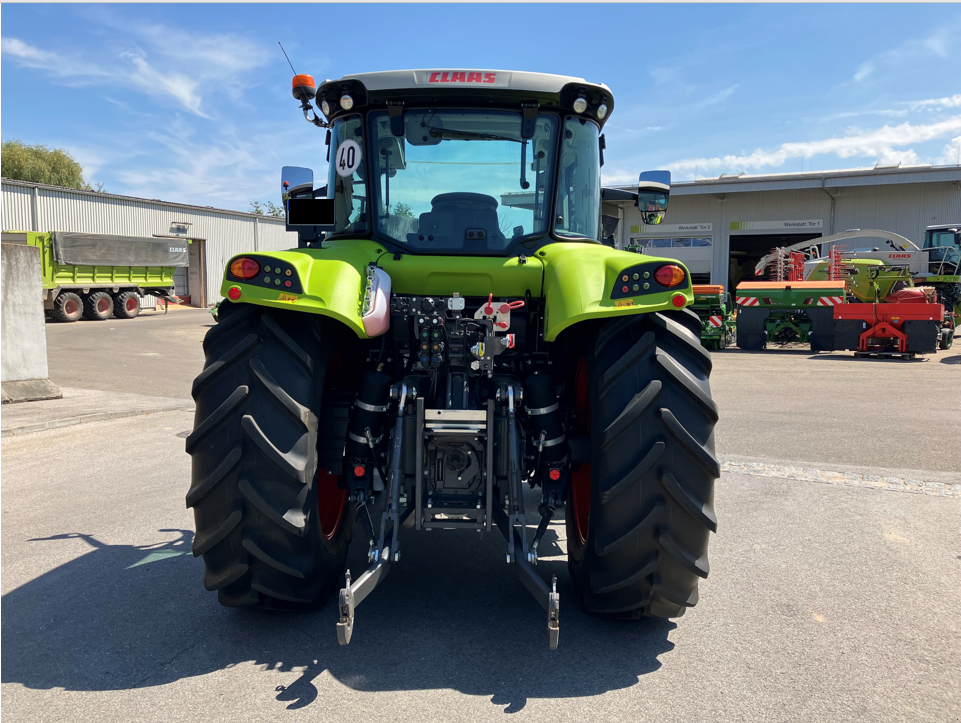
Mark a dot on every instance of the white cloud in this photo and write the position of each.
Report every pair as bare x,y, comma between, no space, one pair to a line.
214,164
177,66
138,74
953,101
182,88
937,44
881,143
715,99
864,71
208,54
951,155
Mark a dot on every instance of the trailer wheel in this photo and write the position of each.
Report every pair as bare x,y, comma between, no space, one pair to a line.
126,305
272,528
97,306
67,307
640,515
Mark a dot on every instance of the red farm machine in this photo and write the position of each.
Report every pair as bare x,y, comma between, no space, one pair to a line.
872,301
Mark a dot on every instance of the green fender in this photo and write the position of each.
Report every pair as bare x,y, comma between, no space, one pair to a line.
333,281
575,279
579,279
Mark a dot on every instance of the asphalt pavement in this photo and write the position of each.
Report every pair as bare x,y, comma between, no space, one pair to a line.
833,595
154,354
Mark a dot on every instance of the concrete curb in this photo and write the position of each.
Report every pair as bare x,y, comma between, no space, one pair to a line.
84,418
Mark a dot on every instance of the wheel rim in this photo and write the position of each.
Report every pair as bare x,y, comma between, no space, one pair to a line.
103,305
581,480
331,501
70,307
130,305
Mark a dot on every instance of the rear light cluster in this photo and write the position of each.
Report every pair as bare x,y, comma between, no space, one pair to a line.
650,279
266,272
244,268
669,276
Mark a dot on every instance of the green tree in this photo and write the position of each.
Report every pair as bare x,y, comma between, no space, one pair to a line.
403,209
266,208
39,164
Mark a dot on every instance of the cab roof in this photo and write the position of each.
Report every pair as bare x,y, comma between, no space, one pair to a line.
465,87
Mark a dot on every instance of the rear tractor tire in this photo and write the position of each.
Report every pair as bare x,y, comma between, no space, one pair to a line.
126,305
272,528
640,515
97,306
67,307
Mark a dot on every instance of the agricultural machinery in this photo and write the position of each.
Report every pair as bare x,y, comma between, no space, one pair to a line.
450,330
899,299
716,311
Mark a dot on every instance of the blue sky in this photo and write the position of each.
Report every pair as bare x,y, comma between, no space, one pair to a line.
192,103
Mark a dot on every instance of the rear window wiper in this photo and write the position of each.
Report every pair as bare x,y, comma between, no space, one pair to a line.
471,134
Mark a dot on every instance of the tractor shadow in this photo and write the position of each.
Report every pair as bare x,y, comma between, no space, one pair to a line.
451,614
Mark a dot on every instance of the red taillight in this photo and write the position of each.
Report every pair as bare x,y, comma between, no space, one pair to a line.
244,268
669,275
359,471
678,300
233,293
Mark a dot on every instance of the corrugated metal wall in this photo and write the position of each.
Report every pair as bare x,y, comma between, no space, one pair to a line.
906,209
227,233
16,207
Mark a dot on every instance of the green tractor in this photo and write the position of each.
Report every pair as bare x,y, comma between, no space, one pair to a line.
451,328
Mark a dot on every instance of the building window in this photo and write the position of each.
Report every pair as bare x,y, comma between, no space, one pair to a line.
673,242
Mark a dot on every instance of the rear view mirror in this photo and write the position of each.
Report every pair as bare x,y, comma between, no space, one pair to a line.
296,181
653,192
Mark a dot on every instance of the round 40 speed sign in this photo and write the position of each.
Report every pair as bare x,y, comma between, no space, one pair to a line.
347,159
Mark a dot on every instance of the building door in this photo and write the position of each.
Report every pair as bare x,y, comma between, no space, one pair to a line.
748,249
197,272
181,282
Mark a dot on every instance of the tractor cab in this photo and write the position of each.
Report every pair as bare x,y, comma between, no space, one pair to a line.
464,162
943,244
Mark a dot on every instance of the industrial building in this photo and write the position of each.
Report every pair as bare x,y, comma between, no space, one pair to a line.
213,235
721,227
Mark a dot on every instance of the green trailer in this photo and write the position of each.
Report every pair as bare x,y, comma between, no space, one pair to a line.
96,275
716,311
